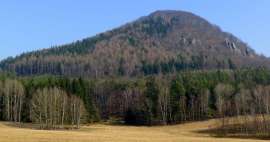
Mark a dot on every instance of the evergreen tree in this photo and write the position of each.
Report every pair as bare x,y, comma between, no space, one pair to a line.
152,93
177,91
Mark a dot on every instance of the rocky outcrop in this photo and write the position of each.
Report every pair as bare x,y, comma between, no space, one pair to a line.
230,44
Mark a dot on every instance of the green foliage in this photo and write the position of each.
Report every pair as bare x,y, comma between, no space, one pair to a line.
139,100
177,91
151,92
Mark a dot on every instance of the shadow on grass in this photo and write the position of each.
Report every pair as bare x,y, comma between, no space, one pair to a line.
37,126
235,131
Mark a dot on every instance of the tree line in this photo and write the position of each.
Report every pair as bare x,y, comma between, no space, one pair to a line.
54,101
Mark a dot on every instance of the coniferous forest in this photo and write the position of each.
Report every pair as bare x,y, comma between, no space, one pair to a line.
53,102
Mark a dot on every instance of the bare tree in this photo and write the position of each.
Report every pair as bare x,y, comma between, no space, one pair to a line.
223,93
13,97
51,108
164,103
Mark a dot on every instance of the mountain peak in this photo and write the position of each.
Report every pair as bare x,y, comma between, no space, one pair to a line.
175,14
170,12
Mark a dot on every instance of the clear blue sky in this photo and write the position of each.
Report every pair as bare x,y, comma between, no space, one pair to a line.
27,25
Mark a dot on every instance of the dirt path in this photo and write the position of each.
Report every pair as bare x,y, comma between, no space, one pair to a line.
105,133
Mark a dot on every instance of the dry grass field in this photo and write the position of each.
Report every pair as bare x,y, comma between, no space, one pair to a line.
108,133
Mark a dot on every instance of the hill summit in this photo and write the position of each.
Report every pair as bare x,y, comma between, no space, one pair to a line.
163,42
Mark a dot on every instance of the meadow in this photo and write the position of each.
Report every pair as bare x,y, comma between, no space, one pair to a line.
188,132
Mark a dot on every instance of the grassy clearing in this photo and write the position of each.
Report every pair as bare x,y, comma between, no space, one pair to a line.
108,133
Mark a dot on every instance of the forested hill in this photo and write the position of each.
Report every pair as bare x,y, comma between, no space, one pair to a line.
163,42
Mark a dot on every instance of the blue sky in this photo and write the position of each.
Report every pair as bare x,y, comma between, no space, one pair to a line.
27,25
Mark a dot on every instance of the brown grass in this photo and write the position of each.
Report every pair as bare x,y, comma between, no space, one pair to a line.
107,133
241,127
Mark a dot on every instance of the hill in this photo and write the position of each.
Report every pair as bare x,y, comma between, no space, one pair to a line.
163,42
